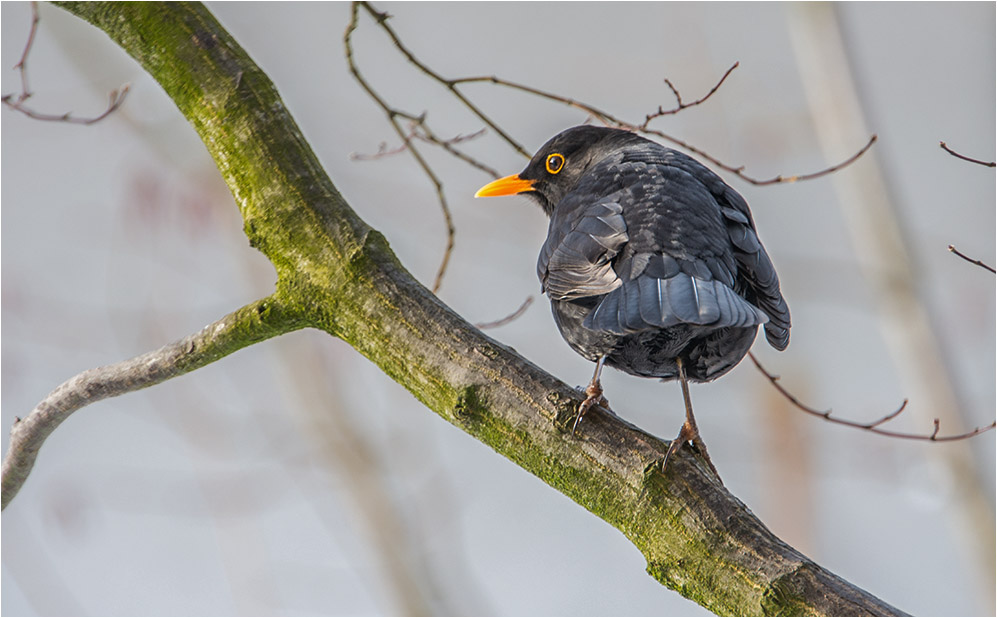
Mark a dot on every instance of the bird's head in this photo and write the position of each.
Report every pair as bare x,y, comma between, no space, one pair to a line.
556,168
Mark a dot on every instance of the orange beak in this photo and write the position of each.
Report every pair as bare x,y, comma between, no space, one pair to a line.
510,185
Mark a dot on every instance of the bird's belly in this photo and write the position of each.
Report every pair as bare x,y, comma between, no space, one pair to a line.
708,353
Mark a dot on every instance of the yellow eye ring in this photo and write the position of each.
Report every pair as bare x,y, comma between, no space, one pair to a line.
555,163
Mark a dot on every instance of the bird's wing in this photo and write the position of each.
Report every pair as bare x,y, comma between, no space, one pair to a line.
692,256
666,296
576,259
755,268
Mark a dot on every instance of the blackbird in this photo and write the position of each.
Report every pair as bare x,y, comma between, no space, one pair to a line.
652,263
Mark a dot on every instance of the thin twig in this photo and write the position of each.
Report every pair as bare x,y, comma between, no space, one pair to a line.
871,426
509,318
679,105
971,260
382,151
17,102
116,98
22,64
426,135
823,172
965,158
421,131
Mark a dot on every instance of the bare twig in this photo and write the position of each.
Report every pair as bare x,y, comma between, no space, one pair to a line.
679,105
17,102
971,260
382,151
22,64
965,158
116,98
426,135
421,131
871,426
823,172
509,318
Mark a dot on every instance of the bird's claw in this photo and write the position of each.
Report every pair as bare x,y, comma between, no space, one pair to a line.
689,434
593,397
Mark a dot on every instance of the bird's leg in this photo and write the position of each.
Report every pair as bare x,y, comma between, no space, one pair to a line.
593,394
689,431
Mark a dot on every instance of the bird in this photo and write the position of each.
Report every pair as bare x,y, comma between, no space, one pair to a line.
652,263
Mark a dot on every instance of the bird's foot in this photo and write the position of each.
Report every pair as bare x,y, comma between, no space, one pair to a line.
689,433
593,397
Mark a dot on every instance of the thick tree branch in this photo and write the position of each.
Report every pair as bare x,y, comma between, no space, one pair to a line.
251,324
337,274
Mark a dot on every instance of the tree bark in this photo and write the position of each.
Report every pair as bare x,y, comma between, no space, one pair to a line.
337,274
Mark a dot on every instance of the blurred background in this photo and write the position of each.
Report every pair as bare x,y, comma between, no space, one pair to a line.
294,478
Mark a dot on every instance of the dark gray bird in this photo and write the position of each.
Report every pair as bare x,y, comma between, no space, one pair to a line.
651,262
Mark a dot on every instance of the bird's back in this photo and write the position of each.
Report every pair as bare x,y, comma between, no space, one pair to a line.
651,256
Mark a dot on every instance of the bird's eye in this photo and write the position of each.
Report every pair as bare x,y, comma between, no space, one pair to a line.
555,163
